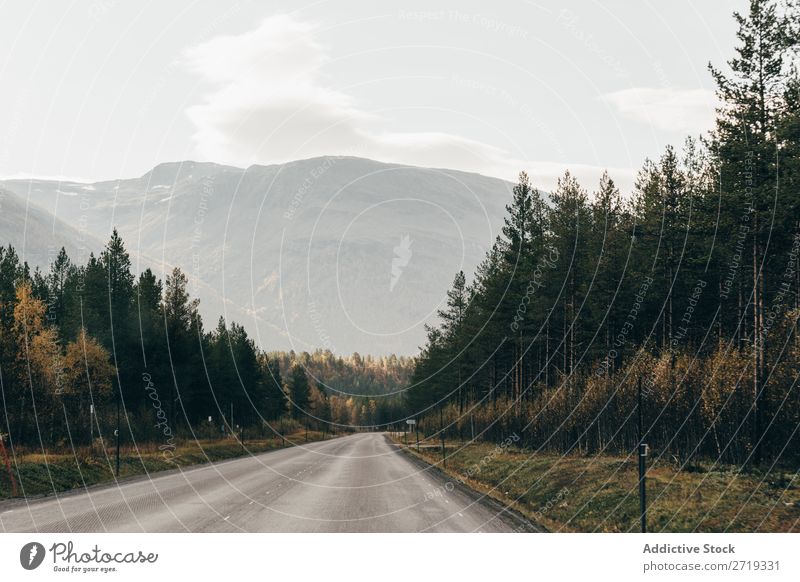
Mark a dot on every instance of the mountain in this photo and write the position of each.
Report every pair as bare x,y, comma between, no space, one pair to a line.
38,235
342,253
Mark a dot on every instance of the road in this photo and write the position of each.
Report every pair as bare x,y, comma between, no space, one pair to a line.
356,483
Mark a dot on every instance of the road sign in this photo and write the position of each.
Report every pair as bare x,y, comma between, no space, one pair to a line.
411,421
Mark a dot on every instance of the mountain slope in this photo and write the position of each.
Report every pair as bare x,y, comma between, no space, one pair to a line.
336,252
37,235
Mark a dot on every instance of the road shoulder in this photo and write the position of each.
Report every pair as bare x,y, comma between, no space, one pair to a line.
513,518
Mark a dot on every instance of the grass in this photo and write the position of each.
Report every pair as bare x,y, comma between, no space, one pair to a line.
600,493
38,473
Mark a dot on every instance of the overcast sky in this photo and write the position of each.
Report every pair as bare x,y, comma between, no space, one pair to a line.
106,89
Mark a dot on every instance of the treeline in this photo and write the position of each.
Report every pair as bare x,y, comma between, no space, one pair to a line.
690,286
362,391
85,349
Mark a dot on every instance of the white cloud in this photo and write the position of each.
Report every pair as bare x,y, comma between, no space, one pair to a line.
667,109
281,48
268,103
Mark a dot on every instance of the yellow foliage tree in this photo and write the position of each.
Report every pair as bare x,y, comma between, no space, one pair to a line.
39,358
89,375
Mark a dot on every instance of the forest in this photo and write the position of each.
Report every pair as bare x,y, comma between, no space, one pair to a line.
85,349
689,286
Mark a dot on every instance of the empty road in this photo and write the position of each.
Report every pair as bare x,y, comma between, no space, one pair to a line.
357,483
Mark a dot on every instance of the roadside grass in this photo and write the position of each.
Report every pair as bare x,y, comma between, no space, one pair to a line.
600,493
38,473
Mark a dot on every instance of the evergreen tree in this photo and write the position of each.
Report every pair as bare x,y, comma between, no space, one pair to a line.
60,272
274,395
299,392
184,338
570,228
745,144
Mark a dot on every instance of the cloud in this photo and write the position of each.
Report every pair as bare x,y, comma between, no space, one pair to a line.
667,109
268,103
281,48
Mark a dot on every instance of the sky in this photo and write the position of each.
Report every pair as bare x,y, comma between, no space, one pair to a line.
107,89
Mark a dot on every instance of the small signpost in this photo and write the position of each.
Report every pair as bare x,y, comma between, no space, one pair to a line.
410,422
441,435
413,423
642,446
91,428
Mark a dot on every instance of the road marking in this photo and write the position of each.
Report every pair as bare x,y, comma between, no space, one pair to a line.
8,511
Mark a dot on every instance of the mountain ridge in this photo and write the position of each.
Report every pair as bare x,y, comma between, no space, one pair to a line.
304,254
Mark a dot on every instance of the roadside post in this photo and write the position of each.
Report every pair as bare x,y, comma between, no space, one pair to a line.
116,431
91,429
441,435
642,453
409,423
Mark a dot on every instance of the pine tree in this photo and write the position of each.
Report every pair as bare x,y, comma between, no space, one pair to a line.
184,337
745,145
609,250
452,321
518,232
116,263
570,224
60,272
299,393
274,396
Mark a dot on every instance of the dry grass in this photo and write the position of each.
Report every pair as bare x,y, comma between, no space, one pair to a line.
40,472
600,493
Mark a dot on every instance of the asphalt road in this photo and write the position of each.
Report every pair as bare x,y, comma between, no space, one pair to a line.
357,483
